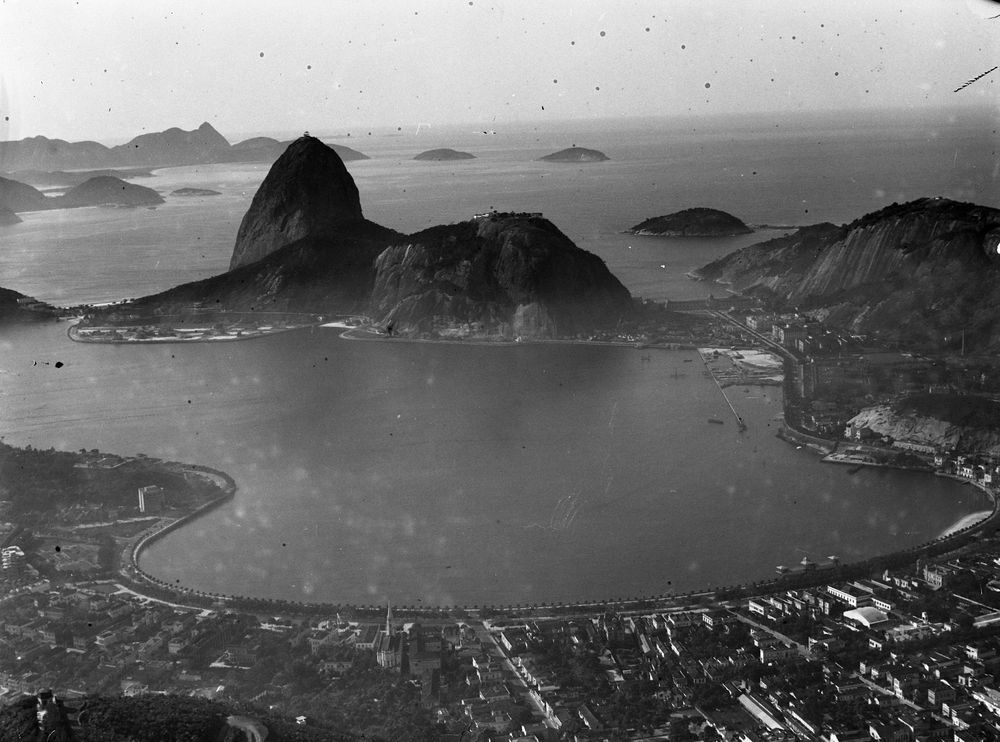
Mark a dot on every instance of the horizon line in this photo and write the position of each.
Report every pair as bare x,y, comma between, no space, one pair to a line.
418,128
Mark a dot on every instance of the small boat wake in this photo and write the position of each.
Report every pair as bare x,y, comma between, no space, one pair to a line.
563,514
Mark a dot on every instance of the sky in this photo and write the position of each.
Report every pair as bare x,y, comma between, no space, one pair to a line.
110,69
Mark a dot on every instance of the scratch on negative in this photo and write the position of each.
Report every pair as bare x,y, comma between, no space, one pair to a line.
967,83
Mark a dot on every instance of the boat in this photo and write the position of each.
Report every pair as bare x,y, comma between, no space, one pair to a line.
855,469
716,420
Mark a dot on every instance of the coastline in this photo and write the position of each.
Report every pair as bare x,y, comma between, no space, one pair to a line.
955,536
363,333
131,570
965,522
142,583
73,333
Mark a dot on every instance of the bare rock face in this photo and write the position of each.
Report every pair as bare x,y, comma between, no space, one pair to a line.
918,273
947,422
307,193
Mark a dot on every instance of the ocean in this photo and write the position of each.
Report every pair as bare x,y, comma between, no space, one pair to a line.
441,474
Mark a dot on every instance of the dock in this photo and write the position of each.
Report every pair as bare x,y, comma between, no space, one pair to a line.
739,420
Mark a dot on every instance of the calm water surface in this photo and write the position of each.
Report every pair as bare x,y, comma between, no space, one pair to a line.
447,474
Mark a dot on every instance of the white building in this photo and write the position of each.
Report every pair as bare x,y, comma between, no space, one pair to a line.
151,499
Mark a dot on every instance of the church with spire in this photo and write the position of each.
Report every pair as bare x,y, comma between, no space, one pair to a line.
389,645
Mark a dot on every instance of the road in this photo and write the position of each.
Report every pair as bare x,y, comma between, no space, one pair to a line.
803,649
769,342
488,643
886,692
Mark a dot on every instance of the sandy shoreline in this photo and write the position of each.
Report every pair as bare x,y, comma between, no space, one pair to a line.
965,522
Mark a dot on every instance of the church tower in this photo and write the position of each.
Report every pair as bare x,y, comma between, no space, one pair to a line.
388,618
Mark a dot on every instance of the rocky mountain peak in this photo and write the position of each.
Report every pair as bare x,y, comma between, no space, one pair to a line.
308,192
917,273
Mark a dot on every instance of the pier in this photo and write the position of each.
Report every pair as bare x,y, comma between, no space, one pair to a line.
739,420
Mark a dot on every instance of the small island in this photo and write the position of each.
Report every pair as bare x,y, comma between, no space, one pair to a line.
576,154
696,222
106,190
101,190
443,154
195,192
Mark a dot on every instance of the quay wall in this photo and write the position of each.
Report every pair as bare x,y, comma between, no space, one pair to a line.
790,434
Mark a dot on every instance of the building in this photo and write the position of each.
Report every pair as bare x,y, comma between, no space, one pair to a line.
916,447
367,637
867,616
788,334
850,594
760,322
714,619
936,575
151,499
389,645
13,561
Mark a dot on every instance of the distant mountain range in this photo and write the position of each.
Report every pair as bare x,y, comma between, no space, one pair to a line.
305,246
922,273
158,149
